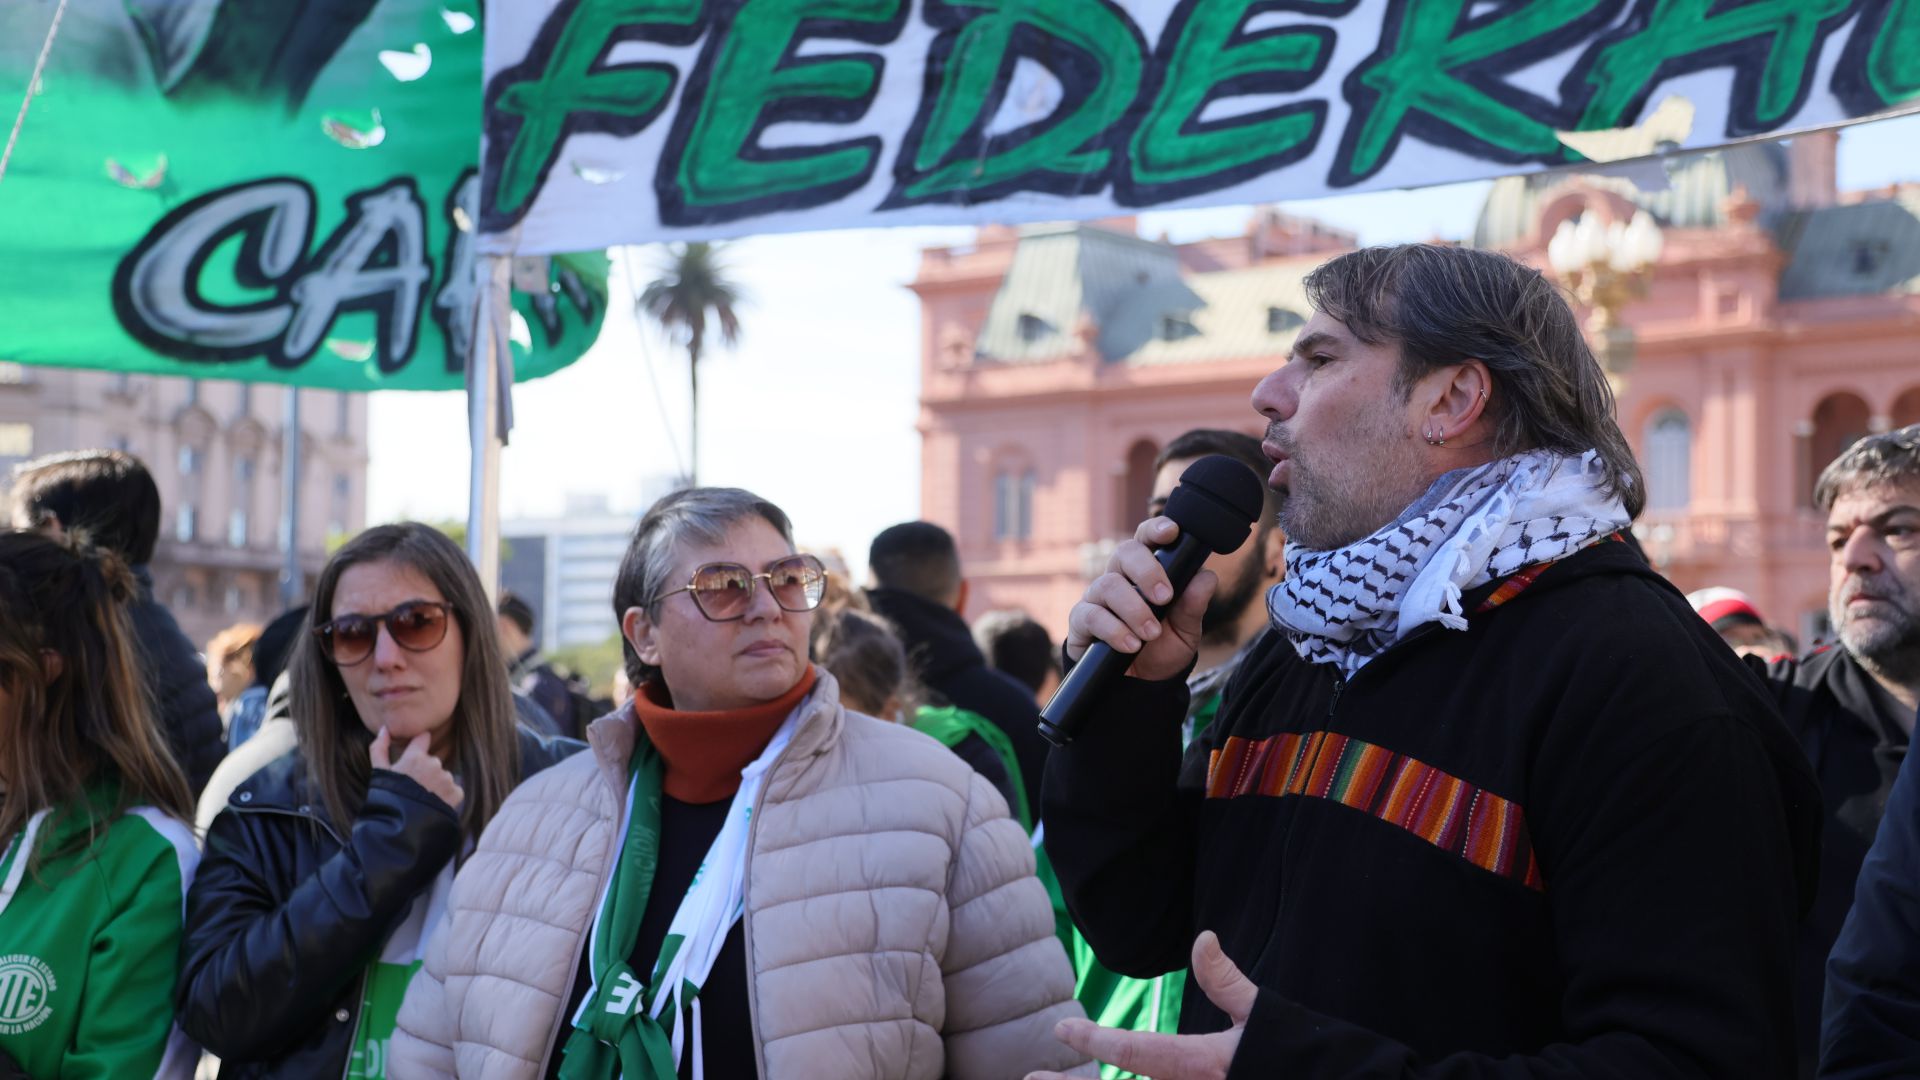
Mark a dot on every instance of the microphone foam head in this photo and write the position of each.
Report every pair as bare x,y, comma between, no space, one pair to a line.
1218,500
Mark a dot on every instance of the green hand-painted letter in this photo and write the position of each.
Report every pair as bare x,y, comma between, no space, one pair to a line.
1624,71
1417,75
569,84
972,78
745,76
1201,55
1893,64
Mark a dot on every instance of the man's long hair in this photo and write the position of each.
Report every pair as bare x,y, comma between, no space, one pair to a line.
486,748
87,718
1443,305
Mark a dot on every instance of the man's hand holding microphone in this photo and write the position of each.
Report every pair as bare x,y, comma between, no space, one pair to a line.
1142,617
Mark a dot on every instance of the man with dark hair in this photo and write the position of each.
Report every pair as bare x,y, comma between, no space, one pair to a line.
919,588
1852,704
1491,800
109,496
1015,644
1237,614
530,672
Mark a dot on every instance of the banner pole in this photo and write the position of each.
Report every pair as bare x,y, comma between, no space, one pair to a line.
290,438
483,418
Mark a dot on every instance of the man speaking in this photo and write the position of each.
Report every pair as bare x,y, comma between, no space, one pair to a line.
1492,801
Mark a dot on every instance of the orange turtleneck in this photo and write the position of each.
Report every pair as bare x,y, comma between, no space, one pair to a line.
705,751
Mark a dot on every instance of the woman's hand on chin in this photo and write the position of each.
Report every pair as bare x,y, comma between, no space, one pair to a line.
419,765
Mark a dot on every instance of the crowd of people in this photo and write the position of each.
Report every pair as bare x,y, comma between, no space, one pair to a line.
1434,776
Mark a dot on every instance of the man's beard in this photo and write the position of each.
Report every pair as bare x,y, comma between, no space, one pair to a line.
1322,513
1890,641
1230,601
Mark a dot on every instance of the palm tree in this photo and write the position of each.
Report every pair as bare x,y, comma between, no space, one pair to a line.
693,282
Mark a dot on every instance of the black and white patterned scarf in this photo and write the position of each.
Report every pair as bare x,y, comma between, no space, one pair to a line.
1346,605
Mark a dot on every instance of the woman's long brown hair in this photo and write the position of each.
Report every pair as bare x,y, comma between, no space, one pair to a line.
88,715
486,751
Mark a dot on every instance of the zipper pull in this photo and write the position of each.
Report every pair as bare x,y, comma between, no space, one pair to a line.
1339,684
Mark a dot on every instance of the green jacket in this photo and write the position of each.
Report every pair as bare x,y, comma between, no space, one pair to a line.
90,943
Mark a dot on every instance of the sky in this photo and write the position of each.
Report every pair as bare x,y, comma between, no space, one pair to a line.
815,409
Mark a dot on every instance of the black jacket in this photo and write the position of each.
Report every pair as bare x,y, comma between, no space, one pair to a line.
534,677
1872,1028
953,667
1827,700
287,910
189,712
1571,840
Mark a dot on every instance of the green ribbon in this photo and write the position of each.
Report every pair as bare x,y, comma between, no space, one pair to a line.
615,1036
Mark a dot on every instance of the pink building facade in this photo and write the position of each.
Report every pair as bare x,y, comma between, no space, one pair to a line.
1782,322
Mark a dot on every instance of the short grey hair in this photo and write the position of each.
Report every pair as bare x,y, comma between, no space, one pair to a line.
1890,458
700,515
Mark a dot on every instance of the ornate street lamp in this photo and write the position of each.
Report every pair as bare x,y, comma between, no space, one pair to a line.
1606,267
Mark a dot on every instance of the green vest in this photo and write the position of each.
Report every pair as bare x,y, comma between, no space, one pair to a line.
90,944
952,724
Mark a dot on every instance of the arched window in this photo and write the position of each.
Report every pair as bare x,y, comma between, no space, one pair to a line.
1013,504
1136,487
1669,460
1839,421
1906,408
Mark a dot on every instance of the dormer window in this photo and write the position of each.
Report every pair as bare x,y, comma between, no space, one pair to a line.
1176,327
1280,320
1033,328
1868,255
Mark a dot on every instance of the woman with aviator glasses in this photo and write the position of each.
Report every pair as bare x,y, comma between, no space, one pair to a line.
328,867
744,877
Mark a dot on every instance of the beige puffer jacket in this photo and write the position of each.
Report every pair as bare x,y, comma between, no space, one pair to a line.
894,927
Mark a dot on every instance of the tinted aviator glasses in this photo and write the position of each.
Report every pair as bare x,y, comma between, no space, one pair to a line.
416,626
724,591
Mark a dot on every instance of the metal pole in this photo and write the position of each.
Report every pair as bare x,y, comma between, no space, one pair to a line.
291,587
483,422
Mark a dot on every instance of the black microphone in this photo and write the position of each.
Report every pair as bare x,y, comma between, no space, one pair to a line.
1215,505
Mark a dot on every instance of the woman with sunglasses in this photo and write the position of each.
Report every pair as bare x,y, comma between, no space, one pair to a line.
96,845
328,867
744,878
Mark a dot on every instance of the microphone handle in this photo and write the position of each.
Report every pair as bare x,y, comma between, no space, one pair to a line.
1101,665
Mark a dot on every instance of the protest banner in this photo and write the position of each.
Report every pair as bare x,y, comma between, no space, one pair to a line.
611,121
271,190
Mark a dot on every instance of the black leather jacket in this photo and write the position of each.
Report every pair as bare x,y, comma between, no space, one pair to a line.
287,910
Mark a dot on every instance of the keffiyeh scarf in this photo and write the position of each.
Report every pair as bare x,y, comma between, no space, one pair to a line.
1346,605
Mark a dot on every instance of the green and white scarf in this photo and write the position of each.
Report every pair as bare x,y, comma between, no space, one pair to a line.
618,1030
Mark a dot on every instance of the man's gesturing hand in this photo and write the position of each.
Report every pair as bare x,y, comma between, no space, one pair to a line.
1173,1057
419,765
1114,609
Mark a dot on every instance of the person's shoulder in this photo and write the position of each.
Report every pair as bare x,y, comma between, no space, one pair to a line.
995,695
902,750
540,752
1809,669
151,845
1603,607
277,784
568,775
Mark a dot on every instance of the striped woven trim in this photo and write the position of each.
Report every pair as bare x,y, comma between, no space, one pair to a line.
1483,828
